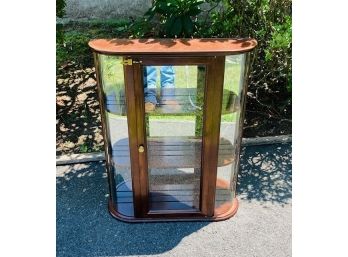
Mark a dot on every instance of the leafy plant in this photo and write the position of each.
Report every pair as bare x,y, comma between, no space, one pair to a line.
280,37
83,148
74,45
60,12
278,51
170,18
269,21
60,8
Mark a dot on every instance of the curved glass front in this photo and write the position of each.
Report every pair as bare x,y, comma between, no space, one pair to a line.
177,165
229,132
113,87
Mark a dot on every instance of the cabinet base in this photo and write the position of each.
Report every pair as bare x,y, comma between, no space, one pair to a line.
124,210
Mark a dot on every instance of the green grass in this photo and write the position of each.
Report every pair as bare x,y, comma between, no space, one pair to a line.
185,76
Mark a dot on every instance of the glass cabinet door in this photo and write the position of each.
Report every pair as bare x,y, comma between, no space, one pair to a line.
173,109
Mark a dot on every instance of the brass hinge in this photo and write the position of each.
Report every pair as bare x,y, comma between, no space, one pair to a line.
127,62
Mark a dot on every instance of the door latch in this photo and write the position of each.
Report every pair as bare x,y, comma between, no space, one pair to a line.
127,62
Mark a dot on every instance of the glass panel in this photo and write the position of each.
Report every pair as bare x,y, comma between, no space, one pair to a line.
112,78
173,115
229,131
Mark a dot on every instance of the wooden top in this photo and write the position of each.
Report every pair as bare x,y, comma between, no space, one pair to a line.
204,46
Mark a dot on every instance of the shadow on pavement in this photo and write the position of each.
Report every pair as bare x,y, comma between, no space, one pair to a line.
85,228
266,173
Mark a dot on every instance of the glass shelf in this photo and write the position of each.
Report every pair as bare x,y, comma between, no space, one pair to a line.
176,101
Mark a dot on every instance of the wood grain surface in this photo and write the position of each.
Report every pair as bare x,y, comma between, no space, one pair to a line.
204,46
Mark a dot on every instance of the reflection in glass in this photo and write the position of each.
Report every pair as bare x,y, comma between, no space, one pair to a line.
174,117
229,130
112,78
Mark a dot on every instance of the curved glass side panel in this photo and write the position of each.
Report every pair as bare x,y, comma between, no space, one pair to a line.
229,131
112,78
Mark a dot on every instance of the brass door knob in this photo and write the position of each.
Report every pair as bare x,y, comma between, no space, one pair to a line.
141,149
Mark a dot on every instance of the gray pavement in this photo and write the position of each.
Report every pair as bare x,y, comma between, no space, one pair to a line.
261,227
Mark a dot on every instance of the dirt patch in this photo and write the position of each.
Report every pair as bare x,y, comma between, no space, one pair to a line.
78,126
268,113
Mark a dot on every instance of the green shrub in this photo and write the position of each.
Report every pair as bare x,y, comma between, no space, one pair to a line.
74,43
267,21
176,16
74,48
278,51
60,12
168,18
60,8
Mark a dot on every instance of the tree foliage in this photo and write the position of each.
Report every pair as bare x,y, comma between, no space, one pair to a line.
60,12
169,18
60,8
268,21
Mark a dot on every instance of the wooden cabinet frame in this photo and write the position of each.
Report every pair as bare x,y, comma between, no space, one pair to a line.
137,54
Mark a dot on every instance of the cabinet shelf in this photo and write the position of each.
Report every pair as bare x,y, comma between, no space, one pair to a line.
173,152
173,101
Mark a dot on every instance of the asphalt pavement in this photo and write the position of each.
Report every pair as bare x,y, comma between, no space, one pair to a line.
261,227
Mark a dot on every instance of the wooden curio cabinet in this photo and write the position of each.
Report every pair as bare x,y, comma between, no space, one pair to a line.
172,116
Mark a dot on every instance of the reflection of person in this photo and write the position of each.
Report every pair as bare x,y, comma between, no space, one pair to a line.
150,77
